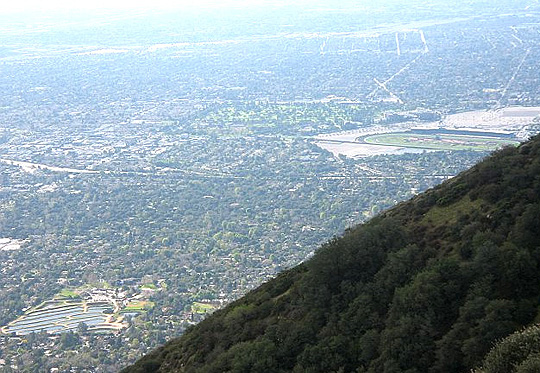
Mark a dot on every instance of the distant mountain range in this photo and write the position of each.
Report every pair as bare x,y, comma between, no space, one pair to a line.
427,286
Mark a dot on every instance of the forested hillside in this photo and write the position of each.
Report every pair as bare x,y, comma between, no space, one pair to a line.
429,285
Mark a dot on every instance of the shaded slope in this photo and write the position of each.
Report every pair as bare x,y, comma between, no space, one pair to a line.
426,286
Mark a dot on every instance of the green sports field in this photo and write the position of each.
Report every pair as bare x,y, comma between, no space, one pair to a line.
439,141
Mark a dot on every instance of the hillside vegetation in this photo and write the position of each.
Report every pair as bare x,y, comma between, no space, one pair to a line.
427,286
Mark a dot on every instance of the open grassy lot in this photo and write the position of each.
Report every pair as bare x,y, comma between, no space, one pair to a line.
137,306
199,307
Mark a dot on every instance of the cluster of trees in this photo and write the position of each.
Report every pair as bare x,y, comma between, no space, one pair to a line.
429,285
517,353
290,119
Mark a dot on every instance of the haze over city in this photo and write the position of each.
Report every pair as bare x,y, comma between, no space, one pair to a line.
159,160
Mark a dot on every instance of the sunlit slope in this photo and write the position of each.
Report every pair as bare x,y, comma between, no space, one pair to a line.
517,353
429,285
